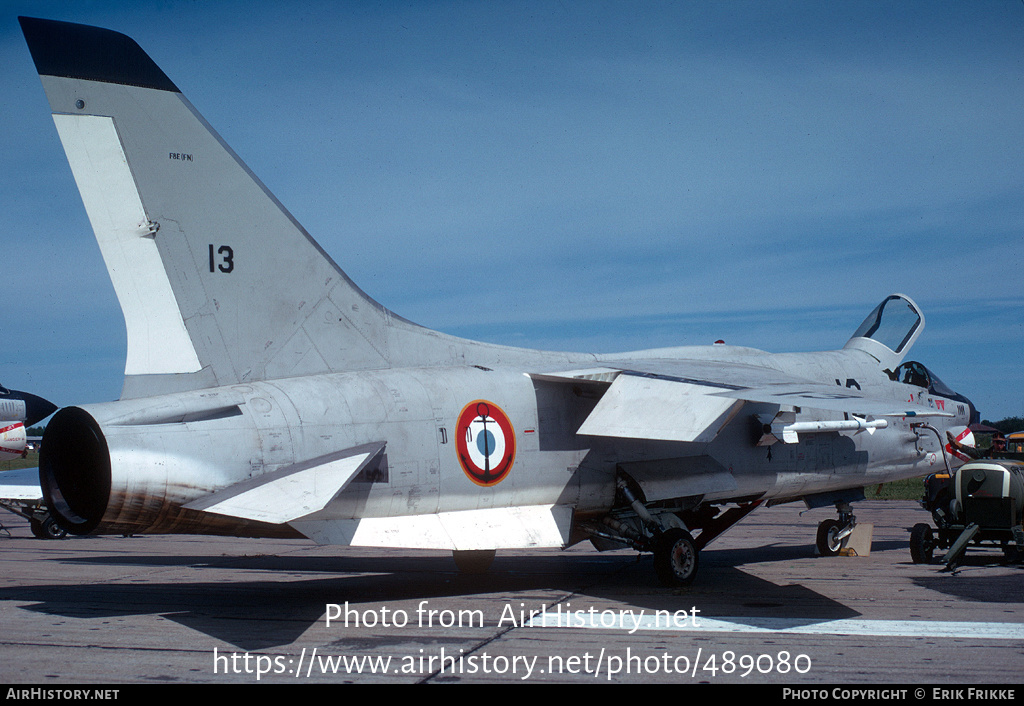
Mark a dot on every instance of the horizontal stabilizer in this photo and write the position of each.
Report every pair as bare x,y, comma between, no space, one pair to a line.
20,484
653,408
291,492
495,528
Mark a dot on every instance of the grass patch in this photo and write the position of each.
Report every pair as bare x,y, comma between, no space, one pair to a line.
907,489
31,461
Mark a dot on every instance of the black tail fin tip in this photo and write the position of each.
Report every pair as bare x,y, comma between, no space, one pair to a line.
91,53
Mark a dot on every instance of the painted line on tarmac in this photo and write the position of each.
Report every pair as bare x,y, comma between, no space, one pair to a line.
616,620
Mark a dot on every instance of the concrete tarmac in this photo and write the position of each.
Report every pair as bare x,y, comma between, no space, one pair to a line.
764,609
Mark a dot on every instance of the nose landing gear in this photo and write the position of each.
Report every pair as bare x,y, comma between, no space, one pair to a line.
832,534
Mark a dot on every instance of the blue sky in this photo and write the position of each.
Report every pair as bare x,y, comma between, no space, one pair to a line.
577,176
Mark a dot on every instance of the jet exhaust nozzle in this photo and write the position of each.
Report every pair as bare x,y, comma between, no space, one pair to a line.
103,477
74,470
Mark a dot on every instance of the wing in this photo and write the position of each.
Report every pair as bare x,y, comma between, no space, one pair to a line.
21,485
691,400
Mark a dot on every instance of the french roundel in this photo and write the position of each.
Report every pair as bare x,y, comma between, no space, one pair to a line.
485,442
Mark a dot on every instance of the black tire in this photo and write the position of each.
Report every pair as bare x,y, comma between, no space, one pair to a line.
473,561
827,543
922,543
676,558
51,530
47,529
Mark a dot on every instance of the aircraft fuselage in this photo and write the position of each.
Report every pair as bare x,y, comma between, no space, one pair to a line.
167,451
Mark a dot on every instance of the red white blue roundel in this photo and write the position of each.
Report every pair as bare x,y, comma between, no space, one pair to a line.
485,442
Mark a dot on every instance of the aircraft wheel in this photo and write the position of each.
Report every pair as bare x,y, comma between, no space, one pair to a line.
676,558
473,561
51,530
922,543
47,529
828,543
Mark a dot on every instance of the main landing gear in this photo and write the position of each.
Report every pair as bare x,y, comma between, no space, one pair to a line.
664,529
676,557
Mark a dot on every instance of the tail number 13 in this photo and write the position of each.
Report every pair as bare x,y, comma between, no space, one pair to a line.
222,258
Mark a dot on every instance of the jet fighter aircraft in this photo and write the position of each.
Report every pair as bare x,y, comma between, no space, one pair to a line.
18,409
266,395
20,492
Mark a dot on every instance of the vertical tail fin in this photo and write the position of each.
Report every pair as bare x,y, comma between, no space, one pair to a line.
217,282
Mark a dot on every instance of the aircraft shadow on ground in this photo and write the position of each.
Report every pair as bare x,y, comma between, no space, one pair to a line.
276,611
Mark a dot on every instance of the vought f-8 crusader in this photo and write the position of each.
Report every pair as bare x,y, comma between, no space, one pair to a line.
266,395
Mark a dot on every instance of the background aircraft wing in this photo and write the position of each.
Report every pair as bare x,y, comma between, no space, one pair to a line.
21,484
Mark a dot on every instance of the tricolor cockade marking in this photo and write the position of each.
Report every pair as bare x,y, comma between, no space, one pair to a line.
485,442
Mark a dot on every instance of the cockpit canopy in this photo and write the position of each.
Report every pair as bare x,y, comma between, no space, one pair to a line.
887,335
889,331
914,373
